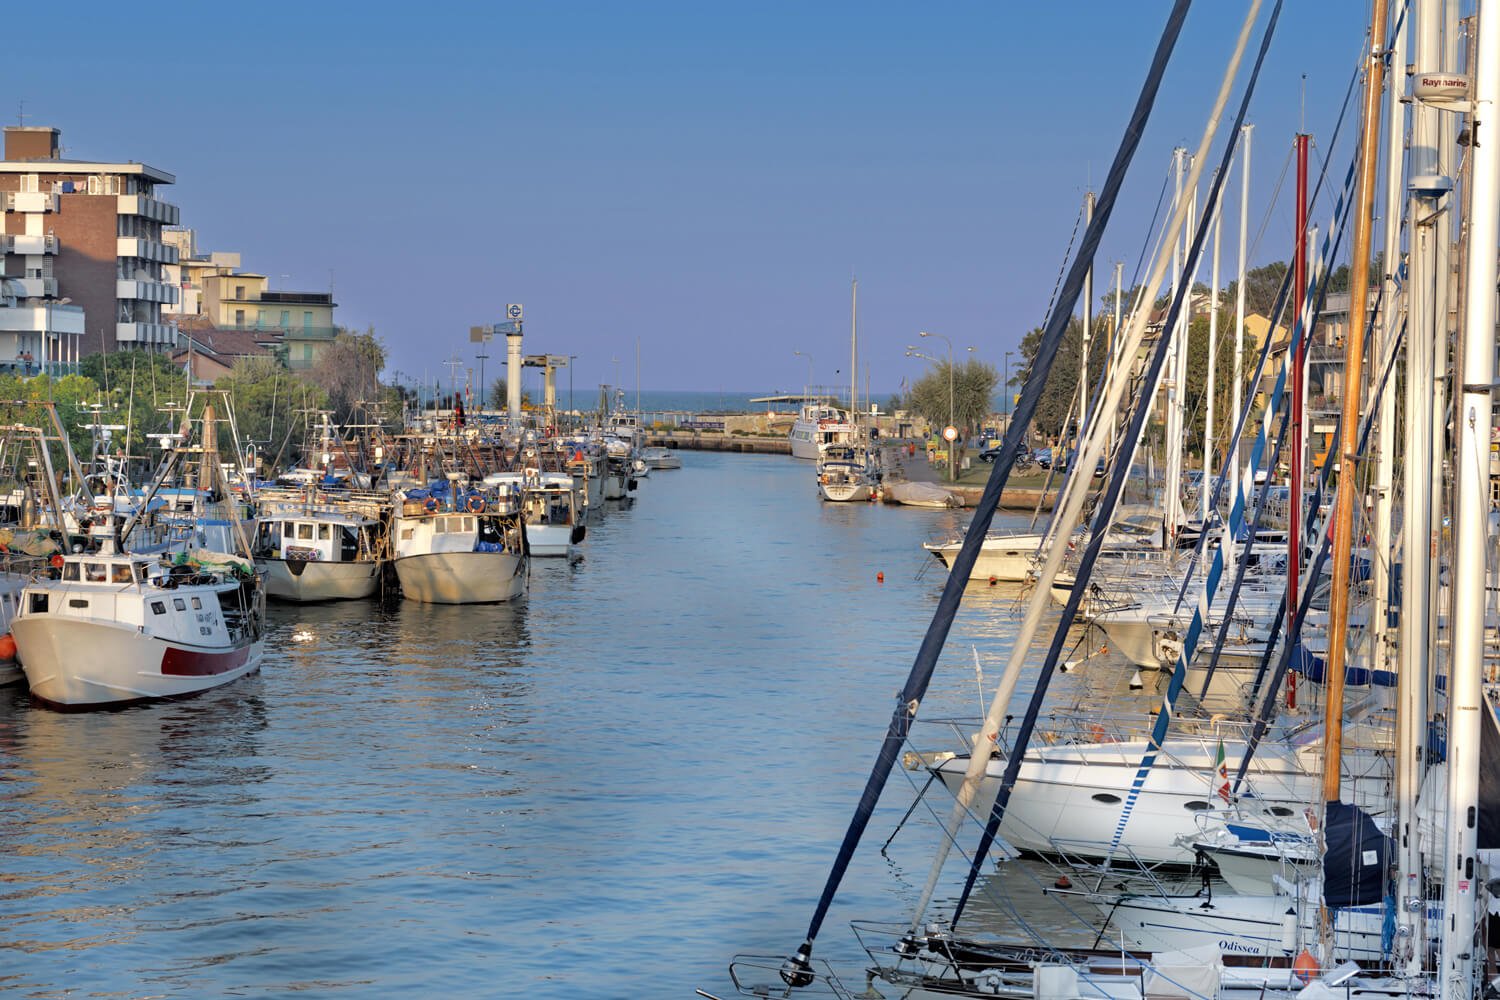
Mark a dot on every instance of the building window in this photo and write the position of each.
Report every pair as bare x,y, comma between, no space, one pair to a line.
286,318
94,185
30,182
307,319
239,318
239,291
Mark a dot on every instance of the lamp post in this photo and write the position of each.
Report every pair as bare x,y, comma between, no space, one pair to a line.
806,386
952,453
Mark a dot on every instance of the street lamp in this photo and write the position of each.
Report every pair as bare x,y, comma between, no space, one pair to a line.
952,453
806,386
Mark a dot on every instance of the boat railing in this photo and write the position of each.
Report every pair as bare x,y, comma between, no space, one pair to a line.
760,976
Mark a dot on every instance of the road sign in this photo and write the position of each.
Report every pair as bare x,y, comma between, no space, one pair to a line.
950,433
513,311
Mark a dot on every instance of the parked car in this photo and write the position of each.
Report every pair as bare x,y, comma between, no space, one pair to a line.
1024,458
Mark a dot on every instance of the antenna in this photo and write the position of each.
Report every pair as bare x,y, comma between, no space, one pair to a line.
21,112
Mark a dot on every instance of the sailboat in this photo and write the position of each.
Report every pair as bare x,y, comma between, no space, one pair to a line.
847,470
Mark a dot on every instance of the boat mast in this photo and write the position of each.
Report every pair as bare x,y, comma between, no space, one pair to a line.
1088,327
1418,546
1354,355
854,354
1171,497
1296,445
1472,419
1239,301
1204,487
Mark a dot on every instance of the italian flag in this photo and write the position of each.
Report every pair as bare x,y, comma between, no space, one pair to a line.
1221,766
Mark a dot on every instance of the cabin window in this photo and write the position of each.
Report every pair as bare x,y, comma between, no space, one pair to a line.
197,604
325,532
288,530
70,571
38,604
1279,811
120,573
1106,798
179,604
158,608
305,531
407,533
94,572
468,524
140,572
78,602
439,525
1196,805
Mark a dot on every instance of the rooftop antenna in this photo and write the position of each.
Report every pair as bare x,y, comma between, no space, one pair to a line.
21,113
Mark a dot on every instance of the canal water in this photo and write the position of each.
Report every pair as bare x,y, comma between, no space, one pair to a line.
606,790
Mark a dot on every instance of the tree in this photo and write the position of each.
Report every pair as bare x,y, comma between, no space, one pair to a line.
1062,382
270,404
348,370
973,388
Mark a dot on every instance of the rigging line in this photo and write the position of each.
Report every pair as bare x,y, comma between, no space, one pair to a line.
1063,269
798,970
1118,474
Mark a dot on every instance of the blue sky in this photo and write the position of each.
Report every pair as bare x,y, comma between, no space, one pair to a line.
702,178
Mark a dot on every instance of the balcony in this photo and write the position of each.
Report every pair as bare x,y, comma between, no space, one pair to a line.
146,333
147,207
55,319
30,201
33,288
23,244
133,246
146,291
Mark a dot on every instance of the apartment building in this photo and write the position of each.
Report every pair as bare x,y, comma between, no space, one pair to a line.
102,252
213,287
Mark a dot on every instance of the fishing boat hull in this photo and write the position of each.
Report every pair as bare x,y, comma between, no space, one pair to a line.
463,577
308,581
552,541
74,663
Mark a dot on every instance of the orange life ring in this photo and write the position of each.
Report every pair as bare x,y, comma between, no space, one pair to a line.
431,505
476,504
56,561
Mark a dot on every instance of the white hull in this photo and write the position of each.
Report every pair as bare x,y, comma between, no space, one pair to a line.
73,662
1068,798
462,577
845,492
308,581
1003,558
551,541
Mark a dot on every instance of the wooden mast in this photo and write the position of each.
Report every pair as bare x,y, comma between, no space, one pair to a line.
1354,357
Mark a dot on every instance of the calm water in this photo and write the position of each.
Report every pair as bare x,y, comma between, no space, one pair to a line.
604,791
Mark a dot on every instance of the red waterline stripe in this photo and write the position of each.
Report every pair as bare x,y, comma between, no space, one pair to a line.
190,663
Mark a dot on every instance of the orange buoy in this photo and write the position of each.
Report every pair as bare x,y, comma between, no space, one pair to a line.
7,647
880,578
1063,882
1305,966
993,581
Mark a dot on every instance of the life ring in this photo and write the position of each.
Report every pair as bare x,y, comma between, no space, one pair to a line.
475,504
431,505
56,562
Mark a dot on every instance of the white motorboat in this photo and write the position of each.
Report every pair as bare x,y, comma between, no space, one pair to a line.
459,546
922,495
817,425
1003,558
108,628
657,457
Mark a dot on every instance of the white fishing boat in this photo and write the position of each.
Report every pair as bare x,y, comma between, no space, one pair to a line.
113,628
323,555
549,502
454,545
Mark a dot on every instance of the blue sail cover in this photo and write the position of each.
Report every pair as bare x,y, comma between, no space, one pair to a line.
1357,858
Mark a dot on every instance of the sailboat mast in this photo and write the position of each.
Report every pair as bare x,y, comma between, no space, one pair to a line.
1088,327
1239,301
1418,547
1205,489
1472,419
1297,446
854,349
1354,358
1171,496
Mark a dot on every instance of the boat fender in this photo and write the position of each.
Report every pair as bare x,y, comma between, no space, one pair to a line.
431,505
579,531
476,504
7,647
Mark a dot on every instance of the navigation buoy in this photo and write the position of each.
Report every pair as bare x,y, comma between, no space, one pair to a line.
1135,681
880,578
1305,966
